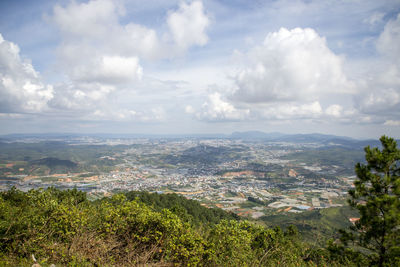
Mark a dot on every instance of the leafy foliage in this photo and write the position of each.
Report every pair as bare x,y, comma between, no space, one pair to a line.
65,228
188,210
377,197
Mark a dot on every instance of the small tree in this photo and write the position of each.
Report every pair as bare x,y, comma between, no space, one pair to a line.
377,198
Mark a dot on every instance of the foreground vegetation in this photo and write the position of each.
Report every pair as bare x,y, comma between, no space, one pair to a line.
377,198
65,228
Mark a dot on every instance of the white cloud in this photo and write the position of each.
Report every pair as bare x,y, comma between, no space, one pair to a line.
294,70
95,46
189,109
80,96
21,89
291,65
134,39
378,101
109,69
389,40
101,55
289,75
12,116
151,115
334,110
375,18
216,109
118,115
380,96
294,76
94,19
188,25
95,29
101,58
392,123
289,111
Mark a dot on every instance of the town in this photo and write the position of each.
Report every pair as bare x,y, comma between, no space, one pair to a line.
251,178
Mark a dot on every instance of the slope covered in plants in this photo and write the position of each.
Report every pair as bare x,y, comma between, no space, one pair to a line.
65,228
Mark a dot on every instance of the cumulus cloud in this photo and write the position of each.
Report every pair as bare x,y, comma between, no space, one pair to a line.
96,26
381,95
375,18
135,39
334,111
289,111
151,115
389,40
80,96
291,75
392,123
378,101
101,56
188,25
21,89
189,109
293,71
217,109
291,65
285,79
109,69
93,19
95,45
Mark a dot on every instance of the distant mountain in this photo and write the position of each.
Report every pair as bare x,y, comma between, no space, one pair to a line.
323,139
256,135
352,143
74,136
41,135
314,137
280,137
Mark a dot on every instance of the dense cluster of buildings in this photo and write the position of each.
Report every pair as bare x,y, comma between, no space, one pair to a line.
215,172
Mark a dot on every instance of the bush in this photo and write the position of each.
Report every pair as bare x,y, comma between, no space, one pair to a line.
65,228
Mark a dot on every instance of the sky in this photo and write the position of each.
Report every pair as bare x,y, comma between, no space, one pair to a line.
203,66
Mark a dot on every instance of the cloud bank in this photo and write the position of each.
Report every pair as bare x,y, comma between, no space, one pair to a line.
291,65
21,89
208,63
101,56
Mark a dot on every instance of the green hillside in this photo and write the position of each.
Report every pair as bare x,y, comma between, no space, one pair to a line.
188,210
66,229
316,225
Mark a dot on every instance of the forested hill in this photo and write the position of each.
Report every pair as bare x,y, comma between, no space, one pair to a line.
188,210
66,229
